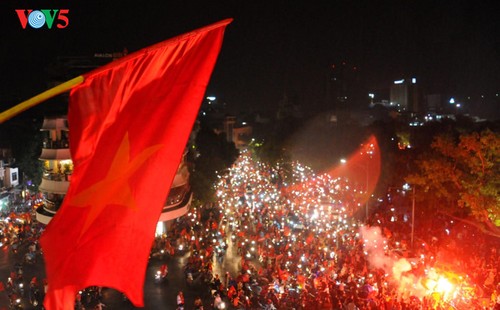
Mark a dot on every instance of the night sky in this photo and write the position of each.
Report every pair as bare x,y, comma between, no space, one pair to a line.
275,46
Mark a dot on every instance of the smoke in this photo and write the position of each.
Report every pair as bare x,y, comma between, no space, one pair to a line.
374,245
397,268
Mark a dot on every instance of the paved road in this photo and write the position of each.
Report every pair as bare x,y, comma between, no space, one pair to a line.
156,296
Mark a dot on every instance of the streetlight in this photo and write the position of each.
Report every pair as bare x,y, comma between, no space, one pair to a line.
367,150
407,186
367,171
412,216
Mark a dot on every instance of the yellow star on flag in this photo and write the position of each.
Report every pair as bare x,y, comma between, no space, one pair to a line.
114,189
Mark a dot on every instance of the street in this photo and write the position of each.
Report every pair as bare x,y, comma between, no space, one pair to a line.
156,295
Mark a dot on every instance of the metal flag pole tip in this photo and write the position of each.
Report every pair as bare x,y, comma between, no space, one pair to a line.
33,101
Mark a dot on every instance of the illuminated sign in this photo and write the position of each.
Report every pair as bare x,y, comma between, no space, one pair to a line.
38,18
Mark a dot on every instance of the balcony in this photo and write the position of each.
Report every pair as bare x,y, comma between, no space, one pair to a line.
44,215
55,123
181,177
177,204
56,185
55,154
56,144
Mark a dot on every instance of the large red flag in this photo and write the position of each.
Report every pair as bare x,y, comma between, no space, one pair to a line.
129,123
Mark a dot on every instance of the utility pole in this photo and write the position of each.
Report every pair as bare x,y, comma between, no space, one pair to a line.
367,191
412,216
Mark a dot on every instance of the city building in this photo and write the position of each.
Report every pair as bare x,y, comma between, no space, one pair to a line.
57,166
404,95
237,132
343,92
9,179
229,123
9,176
435,103
242,136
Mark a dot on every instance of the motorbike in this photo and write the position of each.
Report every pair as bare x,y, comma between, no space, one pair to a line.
4,241
34,296
30,258
194,279
15,248
20,289
189,279
219,304
161,275
15,303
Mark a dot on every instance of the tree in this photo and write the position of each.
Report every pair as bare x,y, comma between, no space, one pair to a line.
214,154
270,152
464,172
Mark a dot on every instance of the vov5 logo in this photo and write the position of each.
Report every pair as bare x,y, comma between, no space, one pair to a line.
37,18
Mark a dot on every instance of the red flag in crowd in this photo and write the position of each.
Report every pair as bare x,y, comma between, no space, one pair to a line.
129,123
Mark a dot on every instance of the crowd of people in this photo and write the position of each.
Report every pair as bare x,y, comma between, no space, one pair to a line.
299,243
300,246
19,236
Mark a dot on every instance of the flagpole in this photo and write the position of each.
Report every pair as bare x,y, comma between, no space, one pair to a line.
33,101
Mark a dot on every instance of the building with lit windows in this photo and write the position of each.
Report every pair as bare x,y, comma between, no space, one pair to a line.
405,97
57,167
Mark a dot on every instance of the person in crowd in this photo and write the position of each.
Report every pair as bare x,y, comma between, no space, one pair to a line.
180,300
198,303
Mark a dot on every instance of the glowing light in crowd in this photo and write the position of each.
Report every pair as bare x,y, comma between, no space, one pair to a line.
290,207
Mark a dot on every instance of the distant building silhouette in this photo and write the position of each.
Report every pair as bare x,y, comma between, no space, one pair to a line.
343,91
405,96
